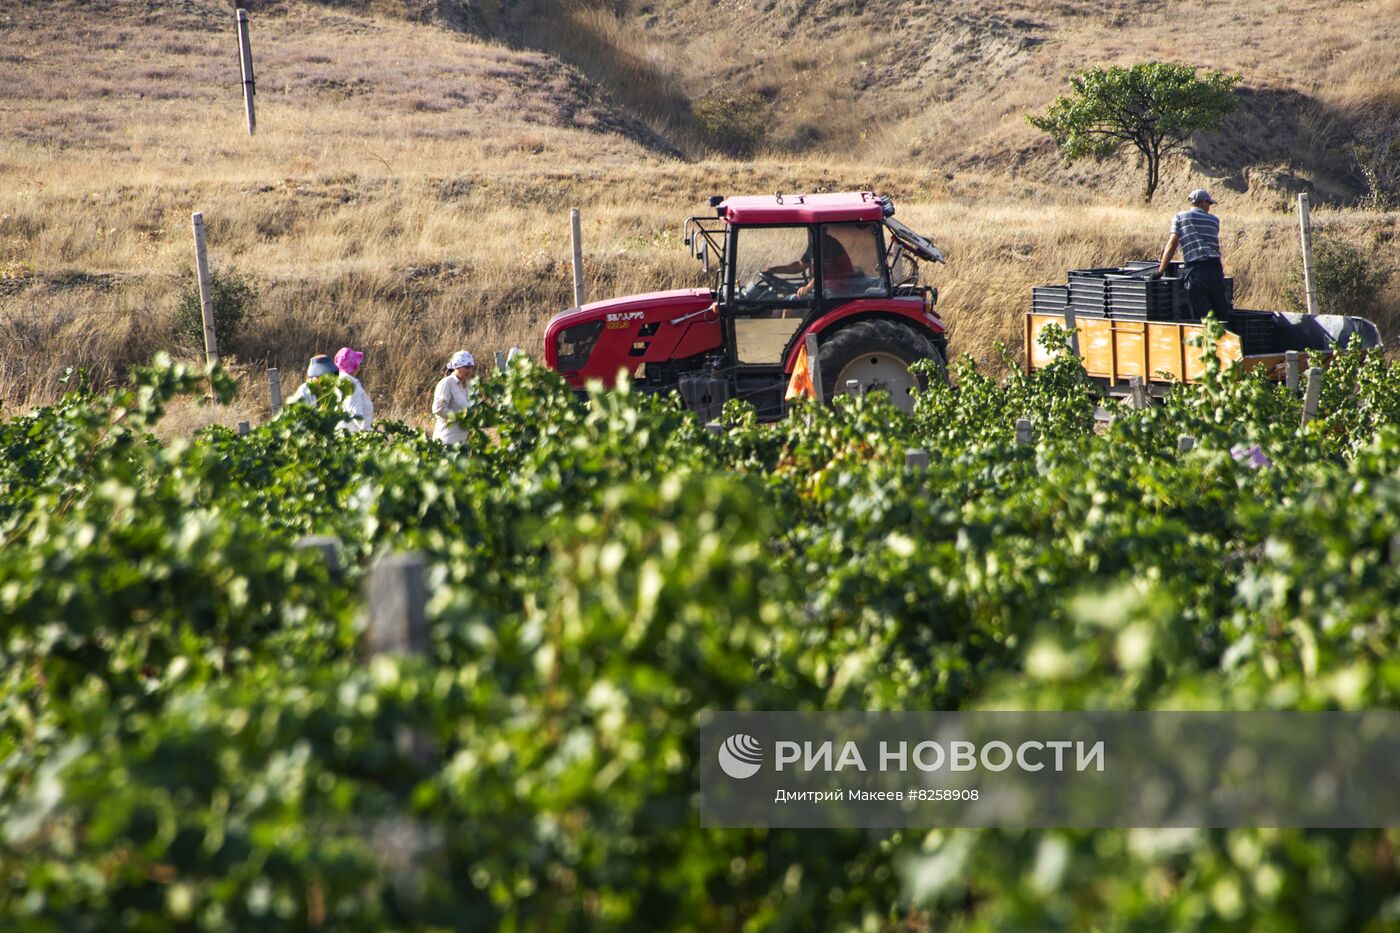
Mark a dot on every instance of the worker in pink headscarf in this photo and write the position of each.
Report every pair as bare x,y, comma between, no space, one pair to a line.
357,404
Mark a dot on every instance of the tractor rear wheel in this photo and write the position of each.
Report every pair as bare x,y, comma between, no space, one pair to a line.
877,354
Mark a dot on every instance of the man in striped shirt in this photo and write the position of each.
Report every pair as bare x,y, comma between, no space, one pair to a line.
1197,232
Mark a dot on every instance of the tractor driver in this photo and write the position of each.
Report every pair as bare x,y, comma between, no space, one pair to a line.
836,265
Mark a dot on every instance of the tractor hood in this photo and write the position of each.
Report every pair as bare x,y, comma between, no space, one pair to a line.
599,339
920,246
687,299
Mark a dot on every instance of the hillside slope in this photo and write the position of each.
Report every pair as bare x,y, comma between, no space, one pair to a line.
415,160
947,85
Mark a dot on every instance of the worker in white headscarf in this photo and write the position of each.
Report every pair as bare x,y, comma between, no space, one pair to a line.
452,395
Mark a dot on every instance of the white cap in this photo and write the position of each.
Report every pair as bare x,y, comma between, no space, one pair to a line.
459,359
1199,195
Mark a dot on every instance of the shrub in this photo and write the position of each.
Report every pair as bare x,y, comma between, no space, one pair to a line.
232,297
1347,277
732,121
1376,152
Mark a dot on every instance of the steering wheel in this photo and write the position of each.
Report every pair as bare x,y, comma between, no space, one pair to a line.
778,285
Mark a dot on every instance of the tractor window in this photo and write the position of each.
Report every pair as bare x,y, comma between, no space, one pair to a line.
771,264
851,266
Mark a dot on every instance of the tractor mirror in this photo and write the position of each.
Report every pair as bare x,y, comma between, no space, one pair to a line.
705,256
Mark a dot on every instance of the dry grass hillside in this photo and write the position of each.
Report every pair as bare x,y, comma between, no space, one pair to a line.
408,187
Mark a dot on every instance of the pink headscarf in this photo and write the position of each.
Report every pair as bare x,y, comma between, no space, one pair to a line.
348,360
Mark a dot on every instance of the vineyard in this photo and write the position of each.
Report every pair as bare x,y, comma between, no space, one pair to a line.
193,736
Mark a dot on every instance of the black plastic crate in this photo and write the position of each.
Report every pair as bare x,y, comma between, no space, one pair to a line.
1256,330
1091,312
1049,299
1147,265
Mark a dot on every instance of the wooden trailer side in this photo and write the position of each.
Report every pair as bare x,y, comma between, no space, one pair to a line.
1114,350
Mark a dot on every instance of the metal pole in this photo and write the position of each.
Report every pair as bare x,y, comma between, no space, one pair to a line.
245,57
206,306
1023,431
1305,228
578,256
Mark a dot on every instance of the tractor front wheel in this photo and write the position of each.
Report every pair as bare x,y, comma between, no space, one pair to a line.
877,355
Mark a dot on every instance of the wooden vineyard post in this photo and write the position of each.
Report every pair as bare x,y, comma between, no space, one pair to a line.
501,360
396,598
1313,395
853,387
575,229
245,58
325,548
916,458
1137,397
1290,370
1305,230
1185,443
1071,327
274,389
243,429
1023,431
206,307
814,367
715,428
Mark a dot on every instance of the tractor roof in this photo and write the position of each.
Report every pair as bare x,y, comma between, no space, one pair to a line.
802,208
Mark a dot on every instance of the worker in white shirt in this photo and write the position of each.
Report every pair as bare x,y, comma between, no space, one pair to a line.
453,395
358,404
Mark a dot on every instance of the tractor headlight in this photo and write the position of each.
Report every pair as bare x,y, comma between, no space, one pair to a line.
575,344
931,300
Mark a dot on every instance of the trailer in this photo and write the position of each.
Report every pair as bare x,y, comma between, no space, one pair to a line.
1130,325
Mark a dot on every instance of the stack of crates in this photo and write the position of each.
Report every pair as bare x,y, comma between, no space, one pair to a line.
1135,298
1120,293
1088,292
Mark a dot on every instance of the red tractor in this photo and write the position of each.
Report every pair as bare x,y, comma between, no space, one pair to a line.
837,266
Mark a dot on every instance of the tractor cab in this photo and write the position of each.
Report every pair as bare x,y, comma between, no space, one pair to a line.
837,266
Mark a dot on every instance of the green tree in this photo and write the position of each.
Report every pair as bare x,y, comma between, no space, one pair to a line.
1155,106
